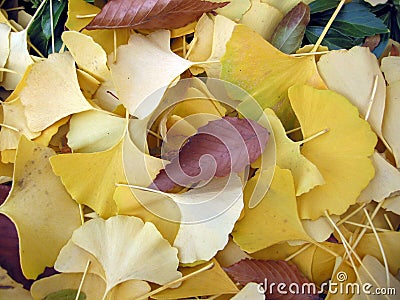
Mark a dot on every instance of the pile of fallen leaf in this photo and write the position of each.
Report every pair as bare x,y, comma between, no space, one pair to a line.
143,110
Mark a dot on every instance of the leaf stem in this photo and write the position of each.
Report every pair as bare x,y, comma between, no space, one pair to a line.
298,252
365,226
9,127
293,130
82,280
372,98
328,25
172,283
309,53
388,222
314,136
52,26
85,16
8,70
36,14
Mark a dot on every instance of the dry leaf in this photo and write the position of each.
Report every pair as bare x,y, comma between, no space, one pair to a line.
266,73
288,156
5,46
275,219
138,76
385,182
234,10
52,92
352,74
151,15
341,154
9,289
37,202
287,5
250,291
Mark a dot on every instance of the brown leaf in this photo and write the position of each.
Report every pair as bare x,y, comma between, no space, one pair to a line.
372,42
271,273
222,146
151,14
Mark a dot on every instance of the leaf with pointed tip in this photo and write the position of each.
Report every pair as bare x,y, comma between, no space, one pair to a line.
151,15
219,148
289,33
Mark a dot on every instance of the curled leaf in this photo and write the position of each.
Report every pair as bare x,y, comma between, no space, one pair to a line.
289,33
151,15
219,148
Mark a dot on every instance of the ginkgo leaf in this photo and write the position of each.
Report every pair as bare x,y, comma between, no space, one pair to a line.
207,211
250,291
47,134
274,219
385,182
126,248
341,154
160,14
262,18
52,84
390,67
222,146
211,282
35,186
352,74
266,73
14,116
99,171
18,60
89,55
320,229
371,265
392,204
138,76
231,254
9,289
95,131
288,156
5,46
285,6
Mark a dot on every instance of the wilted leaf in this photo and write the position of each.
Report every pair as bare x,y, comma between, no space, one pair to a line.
211,282
232,143
271,271
126,249
138,76
262,18
266,73
352,74
153,15
341,154
52,92
37,202
99,171
288,156
275,219
5,46
289,33
385,182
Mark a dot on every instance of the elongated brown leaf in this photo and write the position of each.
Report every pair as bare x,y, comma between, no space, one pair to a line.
289,33
151,14
271,273
222,146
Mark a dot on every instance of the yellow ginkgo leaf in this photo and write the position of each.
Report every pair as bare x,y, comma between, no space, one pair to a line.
262,18
95,131
211,282
89,55
138,77
88,84
52,92
266,73
352,73
341,154
385,182
390,67
9,289
319,229
98,171
47,134
18,60
14,116
392,204
285,6
4,46
234,10
250,291
274,219
127,248
288,156
38,201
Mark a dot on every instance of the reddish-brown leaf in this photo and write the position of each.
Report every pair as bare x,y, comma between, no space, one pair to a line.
151,14
270,274
372,42
222,146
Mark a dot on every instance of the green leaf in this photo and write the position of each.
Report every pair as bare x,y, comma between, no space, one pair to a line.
65,295
334,39
322,5
289,33
354,20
